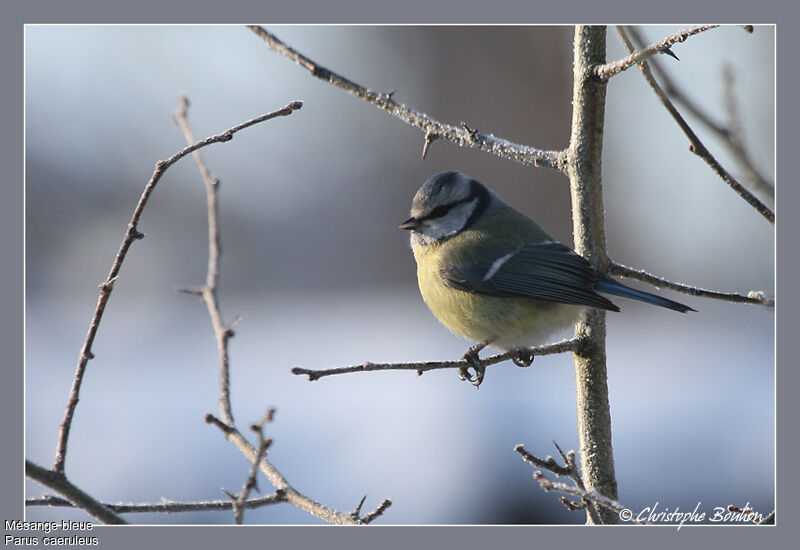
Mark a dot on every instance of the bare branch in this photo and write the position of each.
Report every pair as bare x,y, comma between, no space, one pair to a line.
292,496
610,69
697,146
208,293
592,496
223,333
369,518
589,499
420,368
251,483
730,134
59,483
752,297
167,507
485,142
132,234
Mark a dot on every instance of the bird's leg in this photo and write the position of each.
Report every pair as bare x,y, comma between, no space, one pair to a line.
474,362
523,357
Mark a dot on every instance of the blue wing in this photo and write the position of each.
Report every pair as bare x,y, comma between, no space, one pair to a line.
546,271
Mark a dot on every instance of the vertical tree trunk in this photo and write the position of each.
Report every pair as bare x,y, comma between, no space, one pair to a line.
586,187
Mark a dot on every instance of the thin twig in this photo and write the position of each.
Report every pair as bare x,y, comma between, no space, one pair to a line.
59,483
132,234
753,297
590,499
610,69
485,142
697,146
252,483
549,349
223,334
165,506
729,134
593,496
570,470
280,483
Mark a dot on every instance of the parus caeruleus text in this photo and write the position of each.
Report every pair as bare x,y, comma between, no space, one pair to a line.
492,275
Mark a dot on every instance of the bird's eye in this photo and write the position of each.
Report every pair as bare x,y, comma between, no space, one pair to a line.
439,211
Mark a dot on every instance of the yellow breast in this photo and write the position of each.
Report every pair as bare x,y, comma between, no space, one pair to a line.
509,322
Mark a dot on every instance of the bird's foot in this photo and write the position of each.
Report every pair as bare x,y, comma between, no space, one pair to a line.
522,357
475,364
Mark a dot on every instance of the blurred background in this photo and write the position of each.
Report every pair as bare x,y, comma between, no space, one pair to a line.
321,276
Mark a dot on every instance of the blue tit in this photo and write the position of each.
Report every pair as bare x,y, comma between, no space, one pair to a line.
491,275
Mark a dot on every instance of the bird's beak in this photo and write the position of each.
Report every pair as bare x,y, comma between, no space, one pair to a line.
410,224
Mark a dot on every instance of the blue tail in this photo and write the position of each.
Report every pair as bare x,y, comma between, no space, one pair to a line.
610,286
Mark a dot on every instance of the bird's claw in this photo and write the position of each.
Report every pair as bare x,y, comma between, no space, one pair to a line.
473,362
522,357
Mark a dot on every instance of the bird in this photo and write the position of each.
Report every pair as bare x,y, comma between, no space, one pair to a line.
492,275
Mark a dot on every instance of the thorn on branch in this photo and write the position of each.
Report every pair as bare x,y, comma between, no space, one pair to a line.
473,134
357,512
430,137
670,53
195,291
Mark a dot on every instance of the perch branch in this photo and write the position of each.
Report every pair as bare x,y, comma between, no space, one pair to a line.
420,368
752,297
59,483
697,146
132,234
432,128
610,69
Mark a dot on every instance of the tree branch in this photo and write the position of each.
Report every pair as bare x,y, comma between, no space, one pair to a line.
223,333
252,483
610,69
730,134
752,297
549,349
132,234
167,507
59,483
432,128
291,495
697,146
590,500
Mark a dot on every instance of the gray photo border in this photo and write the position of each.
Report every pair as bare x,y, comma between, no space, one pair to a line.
410,11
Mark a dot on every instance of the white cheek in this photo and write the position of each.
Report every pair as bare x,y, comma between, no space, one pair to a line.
449,225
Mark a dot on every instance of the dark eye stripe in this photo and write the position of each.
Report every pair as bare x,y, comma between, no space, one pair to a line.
477,192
